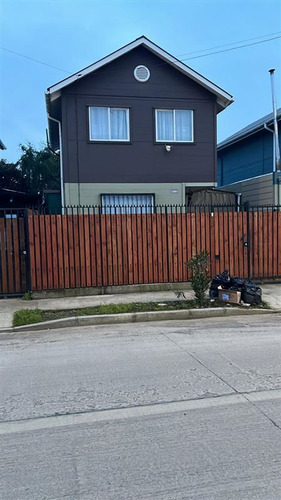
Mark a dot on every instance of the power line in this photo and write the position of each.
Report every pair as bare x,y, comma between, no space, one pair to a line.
233,48
35,60
229,44
183,59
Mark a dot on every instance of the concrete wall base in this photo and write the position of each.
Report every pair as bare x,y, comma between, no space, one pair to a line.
111,290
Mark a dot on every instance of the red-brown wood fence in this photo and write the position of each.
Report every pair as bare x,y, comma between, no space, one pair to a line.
95,249
13,252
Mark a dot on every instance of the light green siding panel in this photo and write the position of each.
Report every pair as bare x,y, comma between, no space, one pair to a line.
165,193
89,194
256,191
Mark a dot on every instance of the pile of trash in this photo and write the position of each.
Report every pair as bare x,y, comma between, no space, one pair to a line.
249,292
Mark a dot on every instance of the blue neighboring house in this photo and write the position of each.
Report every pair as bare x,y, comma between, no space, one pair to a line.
245,163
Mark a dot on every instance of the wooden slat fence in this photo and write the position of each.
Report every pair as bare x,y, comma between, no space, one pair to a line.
13,253
95,249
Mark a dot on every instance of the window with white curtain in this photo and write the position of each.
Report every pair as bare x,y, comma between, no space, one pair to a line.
174,125
109,124
127,203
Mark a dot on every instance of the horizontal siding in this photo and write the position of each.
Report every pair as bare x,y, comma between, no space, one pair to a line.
90,193
247,158
256,191
117,79
141,160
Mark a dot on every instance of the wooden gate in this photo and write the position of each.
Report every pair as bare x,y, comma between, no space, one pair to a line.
14,273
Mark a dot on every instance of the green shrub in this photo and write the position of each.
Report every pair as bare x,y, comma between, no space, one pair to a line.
27,296
27,316
199,265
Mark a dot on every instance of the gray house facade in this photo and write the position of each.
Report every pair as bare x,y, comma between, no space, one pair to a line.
246,163
137,127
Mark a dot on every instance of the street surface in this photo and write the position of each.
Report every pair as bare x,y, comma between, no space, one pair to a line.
178,410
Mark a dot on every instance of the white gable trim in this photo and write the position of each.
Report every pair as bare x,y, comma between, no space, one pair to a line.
225,98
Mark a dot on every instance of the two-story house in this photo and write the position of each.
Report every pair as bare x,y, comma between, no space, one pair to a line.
136,127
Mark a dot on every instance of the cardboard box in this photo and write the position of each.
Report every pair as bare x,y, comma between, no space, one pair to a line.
230,296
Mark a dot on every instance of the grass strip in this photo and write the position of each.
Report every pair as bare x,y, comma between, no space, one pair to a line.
29,316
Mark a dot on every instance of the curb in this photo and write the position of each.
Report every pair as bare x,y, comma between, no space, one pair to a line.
113,319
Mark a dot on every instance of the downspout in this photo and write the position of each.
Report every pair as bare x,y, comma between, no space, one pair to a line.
275,188
277,149
238,201
61,163
272,131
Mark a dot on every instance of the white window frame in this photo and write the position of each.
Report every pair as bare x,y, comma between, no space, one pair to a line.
109,125
168,141
127,209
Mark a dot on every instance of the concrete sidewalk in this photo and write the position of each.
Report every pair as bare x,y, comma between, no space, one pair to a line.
9,306
271,295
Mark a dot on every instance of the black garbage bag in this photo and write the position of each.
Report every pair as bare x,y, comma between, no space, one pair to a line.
223,280
251,293
236,284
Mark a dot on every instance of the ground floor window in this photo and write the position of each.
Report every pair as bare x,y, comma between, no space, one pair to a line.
127,203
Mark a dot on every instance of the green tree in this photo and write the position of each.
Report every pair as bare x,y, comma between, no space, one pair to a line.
33,172
10,176
39,169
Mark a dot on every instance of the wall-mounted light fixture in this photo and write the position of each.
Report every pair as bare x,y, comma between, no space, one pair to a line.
168,148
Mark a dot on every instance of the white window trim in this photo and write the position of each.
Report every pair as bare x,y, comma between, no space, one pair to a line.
128,208
166,141
109,127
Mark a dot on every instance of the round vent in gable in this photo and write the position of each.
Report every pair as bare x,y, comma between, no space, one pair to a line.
141,73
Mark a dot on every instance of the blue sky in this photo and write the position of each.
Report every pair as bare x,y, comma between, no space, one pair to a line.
73,34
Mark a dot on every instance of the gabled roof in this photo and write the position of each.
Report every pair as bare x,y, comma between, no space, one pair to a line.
223,97
249,130
2,145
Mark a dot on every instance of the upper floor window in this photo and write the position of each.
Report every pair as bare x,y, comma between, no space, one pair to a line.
174,125
109,124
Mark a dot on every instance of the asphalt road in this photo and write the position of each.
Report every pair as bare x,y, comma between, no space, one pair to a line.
182,410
